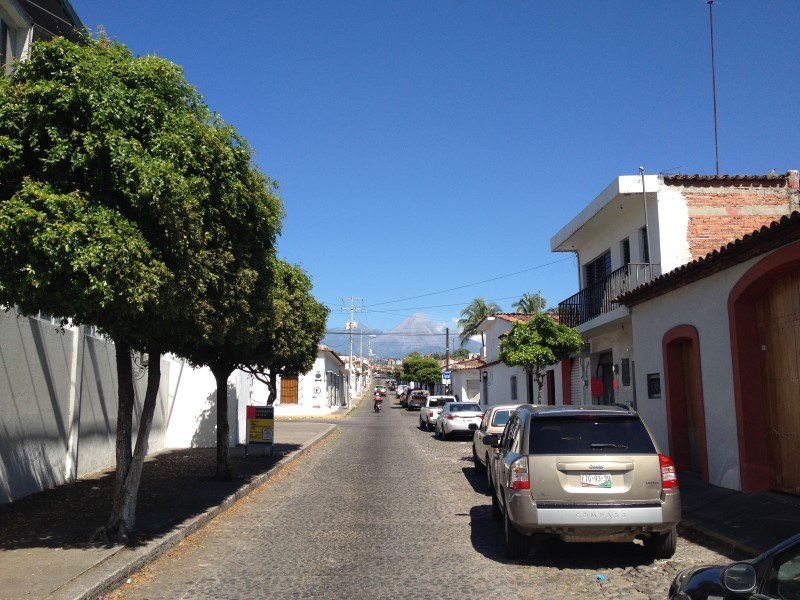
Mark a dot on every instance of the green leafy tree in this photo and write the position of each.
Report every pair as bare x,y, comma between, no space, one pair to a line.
538,343
111,213
421,369
529,304
473,314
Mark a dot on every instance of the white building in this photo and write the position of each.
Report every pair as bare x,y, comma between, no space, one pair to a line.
718,347
634,231
321,391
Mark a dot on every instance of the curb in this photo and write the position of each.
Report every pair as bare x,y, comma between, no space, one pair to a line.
116,568
726,541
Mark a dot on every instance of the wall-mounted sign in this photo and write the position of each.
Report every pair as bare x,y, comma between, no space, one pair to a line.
654,385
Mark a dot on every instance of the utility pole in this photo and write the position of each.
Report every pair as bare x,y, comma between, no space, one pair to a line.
714,81
351,325
447,348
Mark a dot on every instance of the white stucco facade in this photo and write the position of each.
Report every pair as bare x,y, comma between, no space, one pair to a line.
703,305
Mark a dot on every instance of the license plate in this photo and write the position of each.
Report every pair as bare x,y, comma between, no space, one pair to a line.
597,480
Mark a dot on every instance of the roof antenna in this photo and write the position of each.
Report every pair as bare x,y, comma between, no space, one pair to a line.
714,81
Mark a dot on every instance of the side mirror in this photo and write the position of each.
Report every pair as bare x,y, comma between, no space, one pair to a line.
739,578
492,440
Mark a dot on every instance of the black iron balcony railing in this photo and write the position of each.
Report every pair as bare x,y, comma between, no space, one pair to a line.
600,297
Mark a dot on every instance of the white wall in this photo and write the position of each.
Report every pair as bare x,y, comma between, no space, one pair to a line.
58,413
702,304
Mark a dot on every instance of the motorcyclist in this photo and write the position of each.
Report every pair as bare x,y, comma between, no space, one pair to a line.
377,399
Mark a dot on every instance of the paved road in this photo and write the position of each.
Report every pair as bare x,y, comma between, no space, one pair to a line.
384,510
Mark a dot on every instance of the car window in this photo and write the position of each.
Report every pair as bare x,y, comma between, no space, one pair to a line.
783,580
508,433
500,418
589,435
465,407
440,402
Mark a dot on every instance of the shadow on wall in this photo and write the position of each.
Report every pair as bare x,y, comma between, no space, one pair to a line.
25,469
205,435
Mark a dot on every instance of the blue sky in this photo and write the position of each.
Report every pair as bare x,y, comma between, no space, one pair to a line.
432,145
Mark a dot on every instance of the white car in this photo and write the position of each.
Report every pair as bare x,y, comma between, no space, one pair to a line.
494,421
458,417
431,409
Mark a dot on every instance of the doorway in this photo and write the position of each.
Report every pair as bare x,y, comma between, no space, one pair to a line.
684,394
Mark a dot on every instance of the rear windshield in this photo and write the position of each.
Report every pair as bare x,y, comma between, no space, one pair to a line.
593,435
465,408
438,401
500,418
419,395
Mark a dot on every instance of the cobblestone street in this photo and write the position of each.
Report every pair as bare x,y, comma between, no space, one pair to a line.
384,510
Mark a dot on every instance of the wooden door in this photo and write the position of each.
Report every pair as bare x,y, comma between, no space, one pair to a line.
694,411
288,390
778,318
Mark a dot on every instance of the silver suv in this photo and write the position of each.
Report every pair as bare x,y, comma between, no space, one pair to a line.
584,473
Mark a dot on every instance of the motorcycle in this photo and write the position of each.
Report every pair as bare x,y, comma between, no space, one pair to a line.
377,404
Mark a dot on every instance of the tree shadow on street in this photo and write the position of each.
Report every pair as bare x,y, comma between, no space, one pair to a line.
176,486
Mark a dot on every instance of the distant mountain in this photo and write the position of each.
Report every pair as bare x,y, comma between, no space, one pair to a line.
415,334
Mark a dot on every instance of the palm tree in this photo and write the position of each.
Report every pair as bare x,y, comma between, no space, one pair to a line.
473,314
530,304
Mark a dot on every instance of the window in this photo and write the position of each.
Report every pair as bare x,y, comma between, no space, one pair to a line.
514,387
598,269
625,251
644,245
589,435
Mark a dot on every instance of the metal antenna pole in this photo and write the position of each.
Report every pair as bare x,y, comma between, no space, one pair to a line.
714,82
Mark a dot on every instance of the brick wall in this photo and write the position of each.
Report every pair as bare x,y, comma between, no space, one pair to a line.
723,212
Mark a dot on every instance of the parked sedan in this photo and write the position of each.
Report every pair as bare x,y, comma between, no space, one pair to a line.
493,421
774,574
458,417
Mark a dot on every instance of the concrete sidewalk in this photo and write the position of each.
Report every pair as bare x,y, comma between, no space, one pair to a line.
749,523
45,567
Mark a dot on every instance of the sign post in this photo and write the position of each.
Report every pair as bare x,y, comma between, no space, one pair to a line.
260,427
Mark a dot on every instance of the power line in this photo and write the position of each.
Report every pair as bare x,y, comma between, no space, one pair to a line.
460,287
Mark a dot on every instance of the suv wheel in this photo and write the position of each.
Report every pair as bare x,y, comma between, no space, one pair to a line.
422,424
517,544
443,433
661,545
428,426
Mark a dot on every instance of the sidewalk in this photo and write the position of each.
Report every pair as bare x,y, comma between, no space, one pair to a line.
45,551
749,523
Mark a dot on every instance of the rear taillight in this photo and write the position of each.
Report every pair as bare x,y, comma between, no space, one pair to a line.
669,478
518,475
450,417
430,414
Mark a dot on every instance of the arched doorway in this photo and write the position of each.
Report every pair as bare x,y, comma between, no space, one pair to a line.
686,423
764,316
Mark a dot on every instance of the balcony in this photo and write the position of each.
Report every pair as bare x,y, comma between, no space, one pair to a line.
600,297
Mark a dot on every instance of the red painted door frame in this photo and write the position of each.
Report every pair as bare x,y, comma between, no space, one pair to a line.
754,467
677,402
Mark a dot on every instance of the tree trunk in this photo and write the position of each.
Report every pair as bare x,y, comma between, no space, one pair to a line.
121,525
221,374
272,387
539,375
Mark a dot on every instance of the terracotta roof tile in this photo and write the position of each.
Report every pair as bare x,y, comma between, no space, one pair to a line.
790,178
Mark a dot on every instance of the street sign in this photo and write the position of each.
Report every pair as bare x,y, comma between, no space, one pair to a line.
446,374
260,426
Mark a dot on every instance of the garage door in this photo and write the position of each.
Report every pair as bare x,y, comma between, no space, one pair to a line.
576,383
778,315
